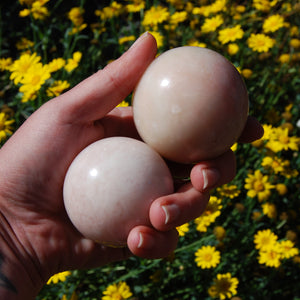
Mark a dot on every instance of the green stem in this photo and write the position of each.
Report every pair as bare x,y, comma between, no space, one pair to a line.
35,40
39,101
195,244
57,3
136,272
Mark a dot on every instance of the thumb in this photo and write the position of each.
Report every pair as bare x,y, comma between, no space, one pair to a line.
94,97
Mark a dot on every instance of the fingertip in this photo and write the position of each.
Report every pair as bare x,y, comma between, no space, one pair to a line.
215,172
171,211
146,37
158,215
204,178
252,131
146,242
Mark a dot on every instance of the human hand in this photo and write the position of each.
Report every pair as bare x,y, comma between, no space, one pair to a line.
37,235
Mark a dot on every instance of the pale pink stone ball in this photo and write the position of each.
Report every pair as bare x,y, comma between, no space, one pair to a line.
191,104
110,186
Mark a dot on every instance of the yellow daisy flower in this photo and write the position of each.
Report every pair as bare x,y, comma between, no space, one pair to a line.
287,249
225,286
56,64
155,15
195,43
258,185
281,189
34,78
280,140
285,58
126,39
274,163
271,256
212,211
6,128
233,48
247,73
211,24
57,88
230,191
158,37
20,66
178,17
24,13
264,5
227,35
295,43
219,233
76,16
265,239
136,6
117,291
183,229
207,257
24,44
202,223
39,11
260,42
108,12
62,276
269,209
5,63
273,23
123,104
73,62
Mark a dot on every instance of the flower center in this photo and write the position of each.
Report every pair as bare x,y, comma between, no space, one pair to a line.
275,164
207,257
116,296
284,139
156,15
265,241
273,255
260,43
258,186
208,212
224,286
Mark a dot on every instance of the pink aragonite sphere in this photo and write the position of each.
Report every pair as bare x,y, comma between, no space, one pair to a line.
110,186
191,104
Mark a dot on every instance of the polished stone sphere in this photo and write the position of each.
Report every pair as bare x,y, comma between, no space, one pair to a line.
110,186
191,104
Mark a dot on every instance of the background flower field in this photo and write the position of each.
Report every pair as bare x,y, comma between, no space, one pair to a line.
246,244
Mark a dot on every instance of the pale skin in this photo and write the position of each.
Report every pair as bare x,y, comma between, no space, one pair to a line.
37,238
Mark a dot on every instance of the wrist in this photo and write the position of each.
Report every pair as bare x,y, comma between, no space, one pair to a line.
19,275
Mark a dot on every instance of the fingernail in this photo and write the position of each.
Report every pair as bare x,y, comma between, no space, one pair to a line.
210,177
146,241
172,212
141,38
